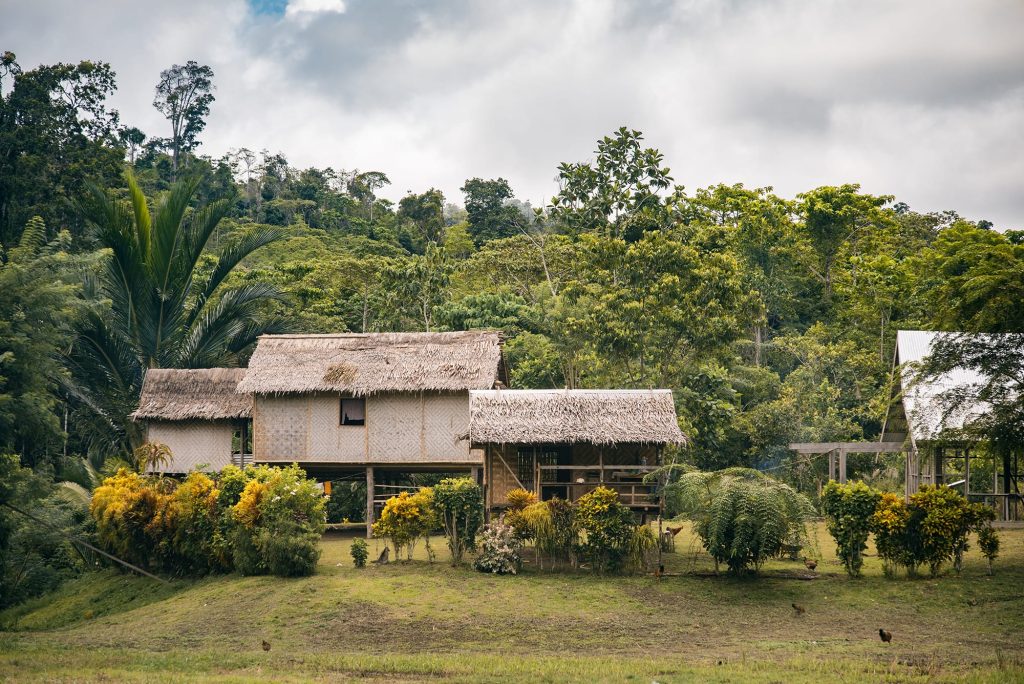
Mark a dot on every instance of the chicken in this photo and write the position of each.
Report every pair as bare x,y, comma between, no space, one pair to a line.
810,563
884,635
266,645
800,610
382,559
675,530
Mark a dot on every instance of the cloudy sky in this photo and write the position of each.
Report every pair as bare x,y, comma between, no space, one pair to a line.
921,99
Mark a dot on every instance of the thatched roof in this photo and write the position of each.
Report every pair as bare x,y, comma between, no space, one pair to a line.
569,416
371,363
202,394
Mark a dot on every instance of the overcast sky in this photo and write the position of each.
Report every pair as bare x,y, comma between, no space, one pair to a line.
920,99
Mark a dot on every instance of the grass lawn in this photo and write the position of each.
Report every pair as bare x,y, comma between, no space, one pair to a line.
423,621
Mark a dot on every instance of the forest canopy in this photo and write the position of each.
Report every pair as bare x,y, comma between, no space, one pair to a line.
772,319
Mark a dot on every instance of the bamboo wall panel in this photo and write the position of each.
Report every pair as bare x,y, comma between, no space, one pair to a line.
323,428
280,428
193,443
394,423
445,427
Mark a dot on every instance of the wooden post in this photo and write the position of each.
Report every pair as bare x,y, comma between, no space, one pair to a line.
967,473
831,465
842,466
369,502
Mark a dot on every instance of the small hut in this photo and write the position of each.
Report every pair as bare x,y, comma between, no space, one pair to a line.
564,443
198,414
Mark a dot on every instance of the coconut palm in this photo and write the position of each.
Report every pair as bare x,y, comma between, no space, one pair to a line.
160,307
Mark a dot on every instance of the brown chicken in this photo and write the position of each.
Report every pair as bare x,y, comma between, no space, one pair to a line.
675,530
884,635
266,645
800,610
810,563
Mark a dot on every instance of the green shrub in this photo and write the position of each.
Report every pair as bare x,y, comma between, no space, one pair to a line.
942,518
459,504
742,516
359,553
282,513
848,513
988,542
606,528
124,506
289,549
183,531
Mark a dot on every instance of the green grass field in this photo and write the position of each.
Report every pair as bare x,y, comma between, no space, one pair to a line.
423,622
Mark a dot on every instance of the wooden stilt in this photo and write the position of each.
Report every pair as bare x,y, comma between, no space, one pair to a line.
369,502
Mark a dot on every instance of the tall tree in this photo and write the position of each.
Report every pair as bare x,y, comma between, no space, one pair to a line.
622,187
166,308
183,96
56,131
425,214
834,217
490,215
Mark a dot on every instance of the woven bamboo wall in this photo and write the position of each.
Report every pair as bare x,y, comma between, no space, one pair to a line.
501,479
193,443
400,428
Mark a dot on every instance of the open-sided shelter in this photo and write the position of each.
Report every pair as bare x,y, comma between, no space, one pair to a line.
565,443
932,427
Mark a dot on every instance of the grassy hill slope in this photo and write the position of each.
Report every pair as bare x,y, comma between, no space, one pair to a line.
420,621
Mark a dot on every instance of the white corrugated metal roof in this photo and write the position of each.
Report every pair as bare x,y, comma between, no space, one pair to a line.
927,414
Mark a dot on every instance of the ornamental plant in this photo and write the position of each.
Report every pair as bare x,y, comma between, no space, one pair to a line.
405,519
988,542
742,516
279,519
942,519
500,550
183,529
890,524
123,506
606,527
459,504
359,553
848,513
518,500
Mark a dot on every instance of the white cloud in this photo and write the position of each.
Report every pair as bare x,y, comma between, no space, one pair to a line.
304,10
920,99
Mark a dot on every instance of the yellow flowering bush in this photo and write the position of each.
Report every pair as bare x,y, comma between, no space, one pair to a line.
406,518
124,506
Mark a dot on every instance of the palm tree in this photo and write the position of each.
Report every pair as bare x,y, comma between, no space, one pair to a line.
160,307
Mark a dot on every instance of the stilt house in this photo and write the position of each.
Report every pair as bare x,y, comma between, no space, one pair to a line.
565,443
385,404
198,415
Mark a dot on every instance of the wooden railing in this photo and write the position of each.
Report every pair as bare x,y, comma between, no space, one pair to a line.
626,480
241,460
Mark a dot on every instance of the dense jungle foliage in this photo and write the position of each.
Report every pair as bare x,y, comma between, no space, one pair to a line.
773,319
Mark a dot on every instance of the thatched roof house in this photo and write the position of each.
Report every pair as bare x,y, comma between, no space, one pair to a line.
197,414
373,363
200,394
598,417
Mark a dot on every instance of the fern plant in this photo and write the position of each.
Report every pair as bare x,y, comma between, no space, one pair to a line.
742,516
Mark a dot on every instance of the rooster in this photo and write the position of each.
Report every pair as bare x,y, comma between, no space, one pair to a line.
266,645
800,610
675,530
885,636
810,563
